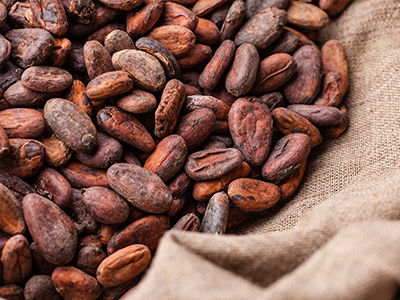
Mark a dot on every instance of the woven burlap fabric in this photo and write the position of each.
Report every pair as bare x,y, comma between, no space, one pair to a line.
339,236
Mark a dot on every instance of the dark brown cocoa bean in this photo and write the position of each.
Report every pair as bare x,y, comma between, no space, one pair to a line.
331,94
273,72
72,283
290,122
216,214
169,108
125,128
236,216
25,159
46,79
118,40
16,261
137,102
76,58
189,222
220,109
145,69
105,205
250,125
97,59
178,40
147,231
255,6
123,265
286,157
80,216
40,265
165,57
41,287
30,46
317,114
101,33
9,75
196,126
272,100
212,164
262,29
140,187
50,228
287,42
81,176
21,14
108,85
115,293
242,74
138,22
178,187
82,11
53,186
233,20
12,292
252,194
306,15
50,14
5,50
212,72
89,258
16,186
304,86
22,123
61,49
333,132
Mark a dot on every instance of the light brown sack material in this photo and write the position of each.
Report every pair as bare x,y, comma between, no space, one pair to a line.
339,236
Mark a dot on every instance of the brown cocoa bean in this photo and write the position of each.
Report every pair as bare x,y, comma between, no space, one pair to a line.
212,164
290,122
53,186
220,109
272,100
12,221
123,265
290,184
198,54
145,69
16,186
273,72
189,222
122,4
178,40
30,46
333,7
317,114
252,194
236,216
262,29
80,216
72,283
71,124
21,14
24,123
287,42
125,128
250,125
304,86
81,176
233,20
147,231
207,32
108,85
196,126
57,153
4,143
61,50
41,287
177,14
168,157
12,292
333,132
40,265
25,159
9,75
137,102
82,11
50,228
286,156
213,71
306,15
105,205
216,215
178,188
46,79
141,187
89,258
76,58
118,40
203,7
169,108
50,14
97,59
5,50
16,261
330,94
77,95
255,6
138,22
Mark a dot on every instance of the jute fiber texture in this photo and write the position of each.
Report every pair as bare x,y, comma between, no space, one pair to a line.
339,236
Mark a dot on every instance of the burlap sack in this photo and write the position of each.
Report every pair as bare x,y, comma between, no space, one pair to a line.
339,236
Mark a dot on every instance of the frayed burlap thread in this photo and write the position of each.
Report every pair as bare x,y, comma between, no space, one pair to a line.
338,237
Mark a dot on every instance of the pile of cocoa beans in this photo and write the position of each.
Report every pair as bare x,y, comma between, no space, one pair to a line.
122,119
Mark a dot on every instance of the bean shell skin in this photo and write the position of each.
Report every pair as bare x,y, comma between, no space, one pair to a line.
125,128
50,228
71,124
242,74
147,231
304,85
105,205
123,265
286,156
212,164
250,125
141,187
252,194
262,29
